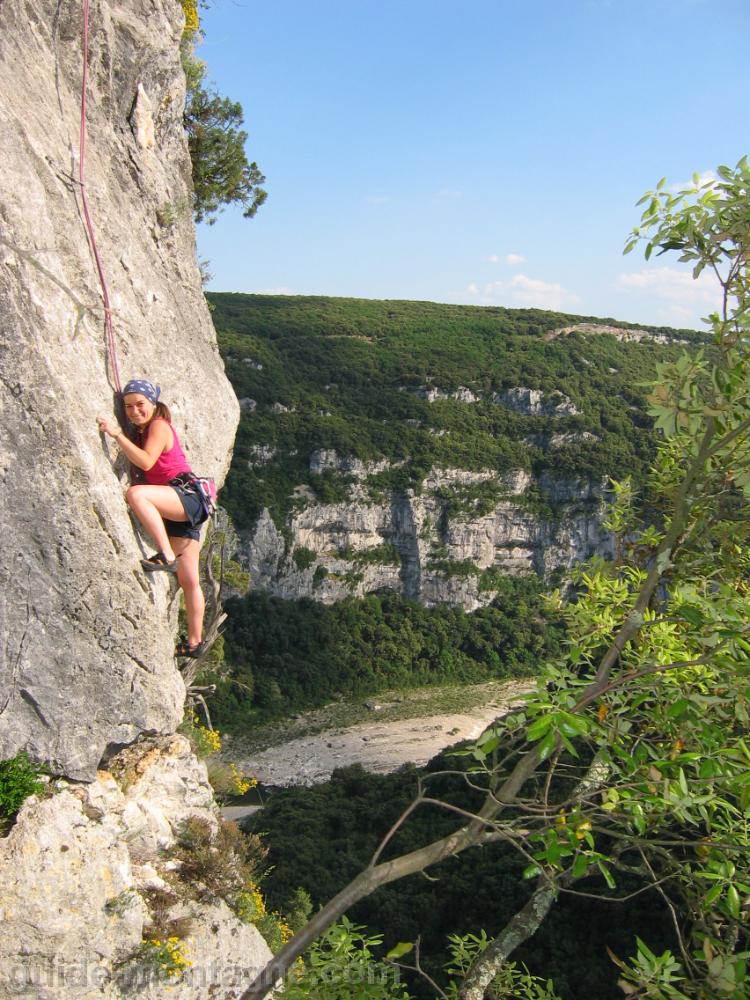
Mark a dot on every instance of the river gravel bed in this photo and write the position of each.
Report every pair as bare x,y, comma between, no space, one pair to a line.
380,746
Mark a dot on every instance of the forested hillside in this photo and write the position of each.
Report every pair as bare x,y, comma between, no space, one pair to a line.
345,397
421,385
289,656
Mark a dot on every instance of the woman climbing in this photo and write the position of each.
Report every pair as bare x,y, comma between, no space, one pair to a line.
166,501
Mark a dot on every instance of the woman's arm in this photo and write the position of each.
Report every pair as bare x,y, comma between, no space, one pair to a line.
158,439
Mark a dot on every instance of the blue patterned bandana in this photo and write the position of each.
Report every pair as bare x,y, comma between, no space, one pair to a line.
144,387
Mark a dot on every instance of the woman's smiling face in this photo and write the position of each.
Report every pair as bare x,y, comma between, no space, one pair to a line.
138,409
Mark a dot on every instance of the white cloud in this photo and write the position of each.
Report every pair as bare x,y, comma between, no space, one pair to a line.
544,294
473,289
704,178
673,285
526,292
514,259
282,290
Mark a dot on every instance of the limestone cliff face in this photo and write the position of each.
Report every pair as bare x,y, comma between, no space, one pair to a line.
87,639
448,544
84,872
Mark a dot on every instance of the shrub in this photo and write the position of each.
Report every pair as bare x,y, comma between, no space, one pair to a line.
220,862
226,780
192,21
203,740
454,567
160,901
303,557
19,778
341,964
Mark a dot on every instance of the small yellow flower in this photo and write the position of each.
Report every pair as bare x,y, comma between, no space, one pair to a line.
583,829
190,9
285,930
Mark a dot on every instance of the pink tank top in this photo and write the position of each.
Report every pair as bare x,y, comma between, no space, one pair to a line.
169,464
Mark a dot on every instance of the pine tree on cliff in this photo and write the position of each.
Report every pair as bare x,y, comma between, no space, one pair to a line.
222,173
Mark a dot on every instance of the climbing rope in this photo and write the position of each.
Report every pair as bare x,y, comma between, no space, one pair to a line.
110,333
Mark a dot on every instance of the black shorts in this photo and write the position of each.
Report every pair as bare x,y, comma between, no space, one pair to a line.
194,513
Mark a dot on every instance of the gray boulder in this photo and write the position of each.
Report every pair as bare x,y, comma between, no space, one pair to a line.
78,873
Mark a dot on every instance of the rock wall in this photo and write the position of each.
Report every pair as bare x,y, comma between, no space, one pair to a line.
627,334
87,638
444,544
78,874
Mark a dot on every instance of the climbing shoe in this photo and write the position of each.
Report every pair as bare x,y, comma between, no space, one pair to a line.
159,562
183,648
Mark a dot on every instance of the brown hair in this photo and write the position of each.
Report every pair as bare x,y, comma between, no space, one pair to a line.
162,410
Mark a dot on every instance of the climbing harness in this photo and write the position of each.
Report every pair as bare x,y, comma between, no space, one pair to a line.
203,486
110,333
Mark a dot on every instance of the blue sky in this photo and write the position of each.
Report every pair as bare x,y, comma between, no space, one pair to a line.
487,152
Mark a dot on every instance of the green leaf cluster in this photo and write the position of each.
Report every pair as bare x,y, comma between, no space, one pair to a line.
343,964
19,778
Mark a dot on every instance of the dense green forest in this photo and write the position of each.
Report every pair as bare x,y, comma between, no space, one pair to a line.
287,656
344,374
321,837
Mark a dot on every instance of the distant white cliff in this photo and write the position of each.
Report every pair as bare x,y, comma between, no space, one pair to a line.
449,543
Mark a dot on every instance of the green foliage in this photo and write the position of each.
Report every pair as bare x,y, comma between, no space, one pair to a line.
19,778
204,741
468,501
298,909
454,567
379,555
170,212
303,557
651,975
321,837
348,373
513,981
168,957
301,654
222,174
221,545
342,965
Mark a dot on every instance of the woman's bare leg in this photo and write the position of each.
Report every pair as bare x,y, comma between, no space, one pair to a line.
151,504
188,577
